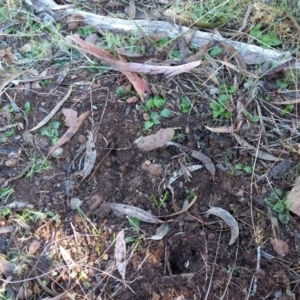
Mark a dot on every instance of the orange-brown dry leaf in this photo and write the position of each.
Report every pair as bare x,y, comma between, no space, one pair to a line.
140,85
73,122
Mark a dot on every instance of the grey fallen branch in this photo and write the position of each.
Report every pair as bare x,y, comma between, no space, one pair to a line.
251,54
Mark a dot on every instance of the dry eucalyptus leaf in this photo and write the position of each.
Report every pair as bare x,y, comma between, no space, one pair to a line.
161,231
136,212
293,199
73,122
53,112
67,257
228,219
253,151
155,141
120,253
90,156
7,268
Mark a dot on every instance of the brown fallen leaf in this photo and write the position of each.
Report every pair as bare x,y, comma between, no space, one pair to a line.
120,253
253,151
280,247
209,165
73,122
139,84
132,67
156,140
293,198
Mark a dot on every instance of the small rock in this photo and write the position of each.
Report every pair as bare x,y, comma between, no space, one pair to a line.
280,247
75,203
34,246
146,116
57,152
11,163
132,99
152,169
26,48
82,139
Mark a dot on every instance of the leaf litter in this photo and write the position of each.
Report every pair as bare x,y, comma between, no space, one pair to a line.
206,192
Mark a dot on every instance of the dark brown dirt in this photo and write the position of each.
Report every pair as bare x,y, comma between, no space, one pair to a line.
194,260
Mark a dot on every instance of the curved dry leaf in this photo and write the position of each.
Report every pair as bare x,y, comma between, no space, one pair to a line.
90,156
136,212
293,198
209,165
120,253
161,231
132,67
53,111
222,129
186,208
228,219
67,257
252,150
73,122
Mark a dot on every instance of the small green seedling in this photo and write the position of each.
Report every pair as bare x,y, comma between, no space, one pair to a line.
38,166
134,223
5,193
27,108
279,206
185,105
287,109
155,105
217,51
45,82
120,91
161,202
86,31
51,131
247,169
266,40
155,102
4,212
219,108
281,84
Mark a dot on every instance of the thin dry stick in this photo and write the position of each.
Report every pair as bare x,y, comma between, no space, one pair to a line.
251,199
236,254
213,270
245,21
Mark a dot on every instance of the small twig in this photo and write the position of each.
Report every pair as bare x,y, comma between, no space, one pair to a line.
213,270
245,21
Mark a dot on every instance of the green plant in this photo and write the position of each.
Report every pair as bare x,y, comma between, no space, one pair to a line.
51,131
287,109
281,84
45,82
185,105
39,166
5,193
156,105
27,108
216,52
86,31
247,169
160,202
4,212
266,40
277,202
219,108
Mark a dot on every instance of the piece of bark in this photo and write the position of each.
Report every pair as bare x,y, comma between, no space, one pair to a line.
250,53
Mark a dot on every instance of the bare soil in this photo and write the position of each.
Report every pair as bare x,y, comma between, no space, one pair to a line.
194,260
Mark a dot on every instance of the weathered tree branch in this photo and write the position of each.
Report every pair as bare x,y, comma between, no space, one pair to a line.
251,54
